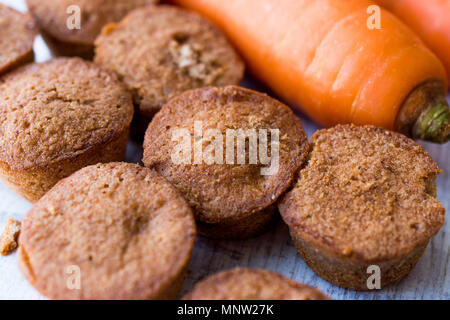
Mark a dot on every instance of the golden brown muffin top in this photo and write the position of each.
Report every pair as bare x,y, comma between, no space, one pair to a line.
127,229
17,33
52,16
366,194
161,51
252,284
226,191
58,109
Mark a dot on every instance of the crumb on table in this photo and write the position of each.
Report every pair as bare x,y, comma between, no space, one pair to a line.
9,237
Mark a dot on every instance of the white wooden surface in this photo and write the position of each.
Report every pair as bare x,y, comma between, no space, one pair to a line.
273,250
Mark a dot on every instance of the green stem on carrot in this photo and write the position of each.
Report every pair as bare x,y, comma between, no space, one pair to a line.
433,124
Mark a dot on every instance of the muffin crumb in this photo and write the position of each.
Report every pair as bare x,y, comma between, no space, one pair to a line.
347,250
10,236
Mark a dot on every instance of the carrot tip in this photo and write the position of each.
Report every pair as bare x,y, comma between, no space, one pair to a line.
433,124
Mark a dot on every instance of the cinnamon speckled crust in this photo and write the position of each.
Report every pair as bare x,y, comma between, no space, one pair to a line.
229,200
57,117
366,196
17,33
126,228
51,17
161,51
252,284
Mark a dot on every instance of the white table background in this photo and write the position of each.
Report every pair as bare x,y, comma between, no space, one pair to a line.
430,279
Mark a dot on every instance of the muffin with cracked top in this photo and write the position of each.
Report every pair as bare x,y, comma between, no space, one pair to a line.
162,51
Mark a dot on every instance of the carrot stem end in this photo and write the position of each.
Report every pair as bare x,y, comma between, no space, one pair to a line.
433,124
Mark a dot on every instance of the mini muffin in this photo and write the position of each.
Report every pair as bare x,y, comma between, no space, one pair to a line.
57,117
160,52
232,198
52,17
365,197
109,231
248,284
17,33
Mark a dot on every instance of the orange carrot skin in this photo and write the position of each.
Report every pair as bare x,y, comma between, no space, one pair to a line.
321,57
430,19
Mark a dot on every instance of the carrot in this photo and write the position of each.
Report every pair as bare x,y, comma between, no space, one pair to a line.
321,57
429,19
